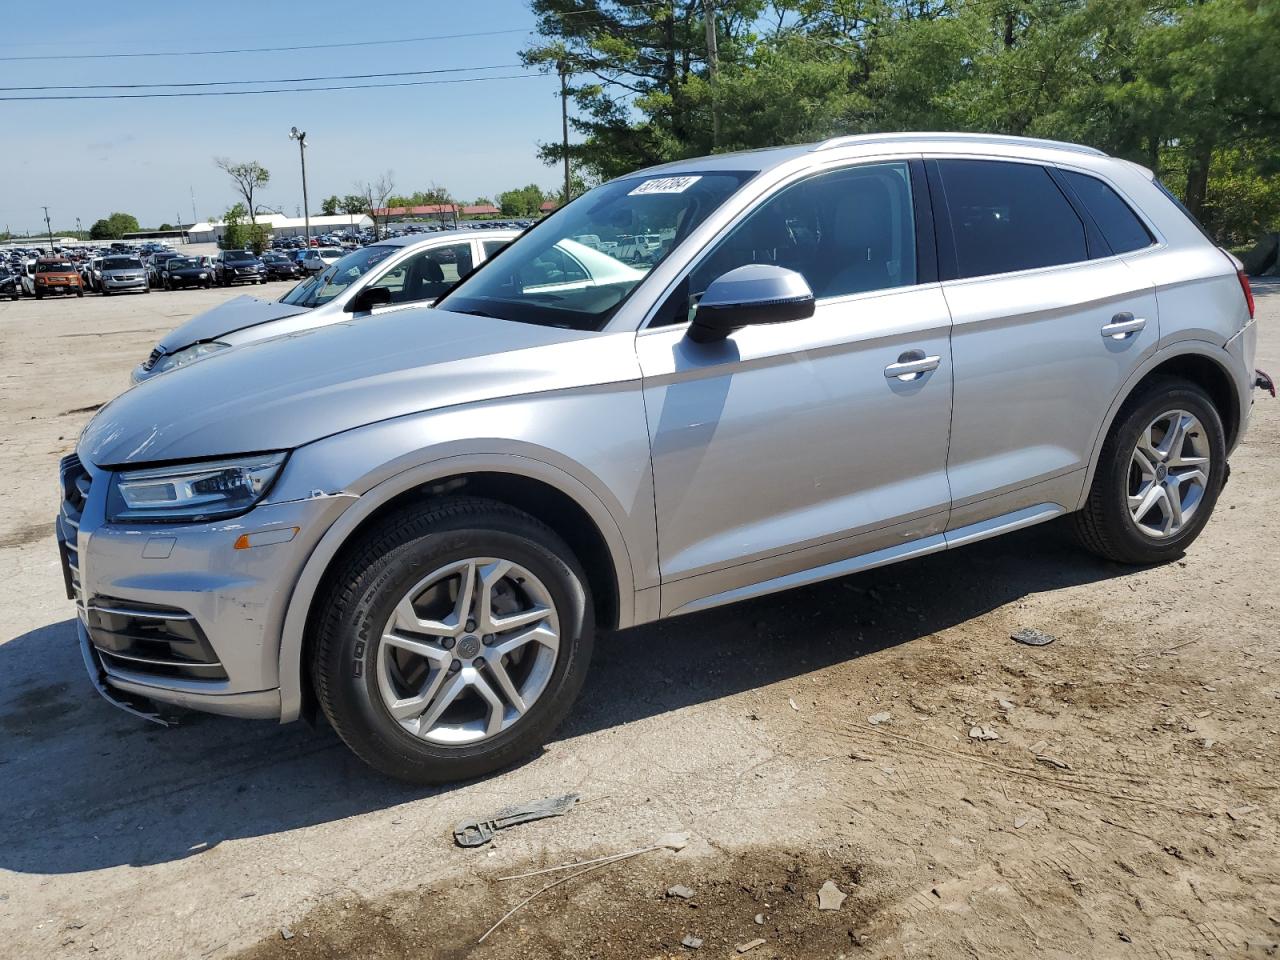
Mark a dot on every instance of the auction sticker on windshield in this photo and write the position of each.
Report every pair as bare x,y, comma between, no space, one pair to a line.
664,185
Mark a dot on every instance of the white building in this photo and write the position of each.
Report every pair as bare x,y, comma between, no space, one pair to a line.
278,225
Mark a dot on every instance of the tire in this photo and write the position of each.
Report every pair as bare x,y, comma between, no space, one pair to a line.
39,295
106,292
364,592
79,291
1105,525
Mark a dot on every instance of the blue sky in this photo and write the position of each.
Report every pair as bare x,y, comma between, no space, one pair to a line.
88,158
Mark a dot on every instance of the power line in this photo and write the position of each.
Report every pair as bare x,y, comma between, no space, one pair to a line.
222,83
249,93
310,46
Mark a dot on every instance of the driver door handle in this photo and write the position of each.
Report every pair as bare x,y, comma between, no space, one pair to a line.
912,365
1123,325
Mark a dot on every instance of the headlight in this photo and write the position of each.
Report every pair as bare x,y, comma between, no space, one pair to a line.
191,354
204,276
193,491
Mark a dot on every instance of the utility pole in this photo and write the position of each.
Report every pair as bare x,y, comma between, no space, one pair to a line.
301,137
49,227
194,218
713,69
564,122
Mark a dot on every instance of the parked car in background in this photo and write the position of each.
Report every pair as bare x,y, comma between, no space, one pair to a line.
123,273
381,278
238,266
10,284
91,273
315,260
179,272
279,267
155,263
54,275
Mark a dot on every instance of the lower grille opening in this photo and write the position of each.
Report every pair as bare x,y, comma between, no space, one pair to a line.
149,639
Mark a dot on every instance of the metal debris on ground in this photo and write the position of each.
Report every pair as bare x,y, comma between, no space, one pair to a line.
878,718
286,933
683,892
692,942
476,833
751,944
1052,761
831,897
983,733
1033,637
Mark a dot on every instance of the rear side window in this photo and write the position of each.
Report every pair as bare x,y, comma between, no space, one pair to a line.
1009,216
1120,226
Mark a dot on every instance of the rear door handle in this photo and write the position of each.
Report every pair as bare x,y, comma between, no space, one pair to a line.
912,365
1123,325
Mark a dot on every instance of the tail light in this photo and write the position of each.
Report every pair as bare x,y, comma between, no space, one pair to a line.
1248,291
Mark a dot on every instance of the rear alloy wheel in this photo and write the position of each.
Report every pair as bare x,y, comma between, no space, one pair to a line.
1158,478
456,639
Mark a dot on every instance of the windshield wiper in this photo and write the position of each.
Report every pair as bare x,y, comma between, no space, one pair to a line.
479,313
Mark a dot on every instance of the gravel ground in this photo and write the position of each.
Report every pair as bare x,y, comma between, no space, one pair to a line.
1129,807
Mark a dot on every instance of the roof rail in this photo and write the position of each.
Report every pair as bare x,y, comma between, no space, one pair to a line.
870,138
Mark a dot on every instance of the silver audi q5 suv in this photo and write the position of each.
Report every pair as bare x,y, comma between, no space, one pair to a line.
693,385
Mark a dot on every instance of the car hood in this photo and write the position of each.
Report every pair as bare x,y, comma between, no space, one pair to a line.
281,393
236,314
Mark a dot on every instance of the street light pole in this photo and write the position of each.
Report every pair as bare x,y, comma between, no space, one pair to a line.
49,227
301,137
562,68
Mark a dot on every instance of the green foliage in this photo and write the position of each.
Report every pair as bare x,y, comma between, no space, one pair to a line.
434,194
521,202
239,233
353,205
330,205
1189,88
166,226
114,227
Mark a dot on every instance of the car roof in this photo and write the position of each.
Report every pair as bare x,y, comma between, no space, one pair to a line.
875,144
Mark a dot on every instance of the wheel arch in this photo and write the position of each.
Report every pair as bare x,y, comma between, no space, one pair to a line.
1200,362
546,492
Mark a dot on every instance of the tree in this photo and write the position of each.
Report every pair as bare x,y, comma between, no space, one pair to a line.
241,233
373,194
434,194
521,202
114,227
166,226
248,177
329,206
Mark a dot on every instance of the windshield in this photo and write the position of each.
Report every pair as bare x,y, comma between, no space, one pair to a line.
332,281
238,256
578,266
54,268
179,263
121,263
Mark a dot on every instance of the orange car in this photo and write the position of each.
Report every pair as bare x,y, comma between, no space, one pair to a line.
55,275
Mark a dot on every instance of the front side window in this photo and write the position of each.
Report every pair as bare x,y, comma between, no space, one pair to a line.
428,274
1119,225
331,282
1008,216
846,231
576,268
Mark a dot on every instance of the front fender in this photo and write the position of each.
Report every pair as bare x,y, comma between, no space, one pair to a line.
407,478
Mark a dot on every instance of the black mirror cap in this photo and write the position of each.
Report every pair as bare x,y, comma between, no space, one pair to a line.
367,299
753,294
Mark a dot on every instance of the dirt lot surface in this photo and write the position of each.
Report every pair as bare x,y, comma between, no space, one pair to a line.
1129,807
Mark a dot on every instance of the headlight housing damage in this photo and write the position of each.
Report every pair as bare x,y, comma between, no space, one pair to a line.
210,490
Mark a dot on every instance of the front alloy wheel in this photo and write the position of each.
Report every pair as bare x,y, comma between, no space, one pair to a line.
456,636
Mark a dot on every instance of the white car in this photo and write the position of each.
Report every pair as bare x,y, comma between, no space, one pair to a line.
382,277
316,260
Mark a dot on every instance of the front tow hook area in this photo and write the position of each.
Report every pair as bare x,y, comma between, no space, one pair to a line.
1263,381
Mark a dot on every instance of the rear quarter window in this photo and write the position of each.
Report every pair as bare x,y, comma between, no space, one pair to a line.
1119,225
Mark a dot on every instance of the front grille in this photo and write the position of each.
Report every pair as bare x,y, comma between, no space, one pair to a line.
149,639
75,481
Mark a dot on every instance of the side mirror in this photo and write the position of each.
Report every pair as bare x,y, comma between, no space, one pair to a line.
367,299
756,293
